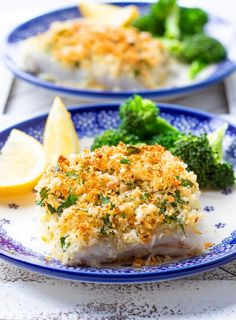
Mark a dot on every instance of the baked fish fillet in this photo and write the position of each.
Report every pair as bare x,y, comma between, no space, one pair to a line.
117,203
81,53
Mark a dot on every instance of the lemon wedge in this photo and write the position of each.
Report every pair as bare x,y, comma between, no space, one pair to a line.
22,162
109,14
60,137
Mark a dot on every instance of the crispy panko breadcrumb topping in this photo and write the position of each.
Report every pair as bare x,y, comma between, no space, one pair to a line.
121,194
77,43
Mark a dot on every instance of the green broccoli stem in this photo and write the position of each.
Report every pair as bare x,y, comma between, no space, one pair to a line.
162,126
195,68
172,23
216,141
174,46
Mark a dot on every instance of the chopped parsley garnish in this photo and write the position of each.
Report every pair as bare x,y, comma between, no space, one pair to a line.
186,183
105,200
177,197
179,221
106,221
72,174
164,203
43,195
112,206
50,208
124,161
103,232
70,201
132,150
163,206
64,245
145,196
107,228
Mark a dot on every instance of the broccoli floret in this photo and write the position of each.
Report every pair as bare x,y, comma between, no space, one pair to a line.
168,19
192,20
107,138
113,137
202,48
130,138
179,21
166,140
203,157
199,47
150,24
198,50
140,117
221,176
163,19
139,121
197,154
162,8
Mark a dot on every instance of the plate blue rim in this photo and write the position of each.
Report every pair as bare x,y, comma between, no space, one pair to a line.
134,277
228,66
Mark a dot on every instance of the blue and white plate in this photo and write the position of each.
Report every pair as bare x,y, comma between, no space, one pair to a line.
20,241
217,27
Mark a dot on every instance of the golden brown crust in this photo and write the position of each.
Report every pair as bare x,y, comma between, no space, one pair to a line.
79,41
121,193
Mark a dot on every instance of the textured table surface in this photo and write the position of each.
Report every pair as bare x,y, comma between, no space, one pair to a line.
25,99
25,295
